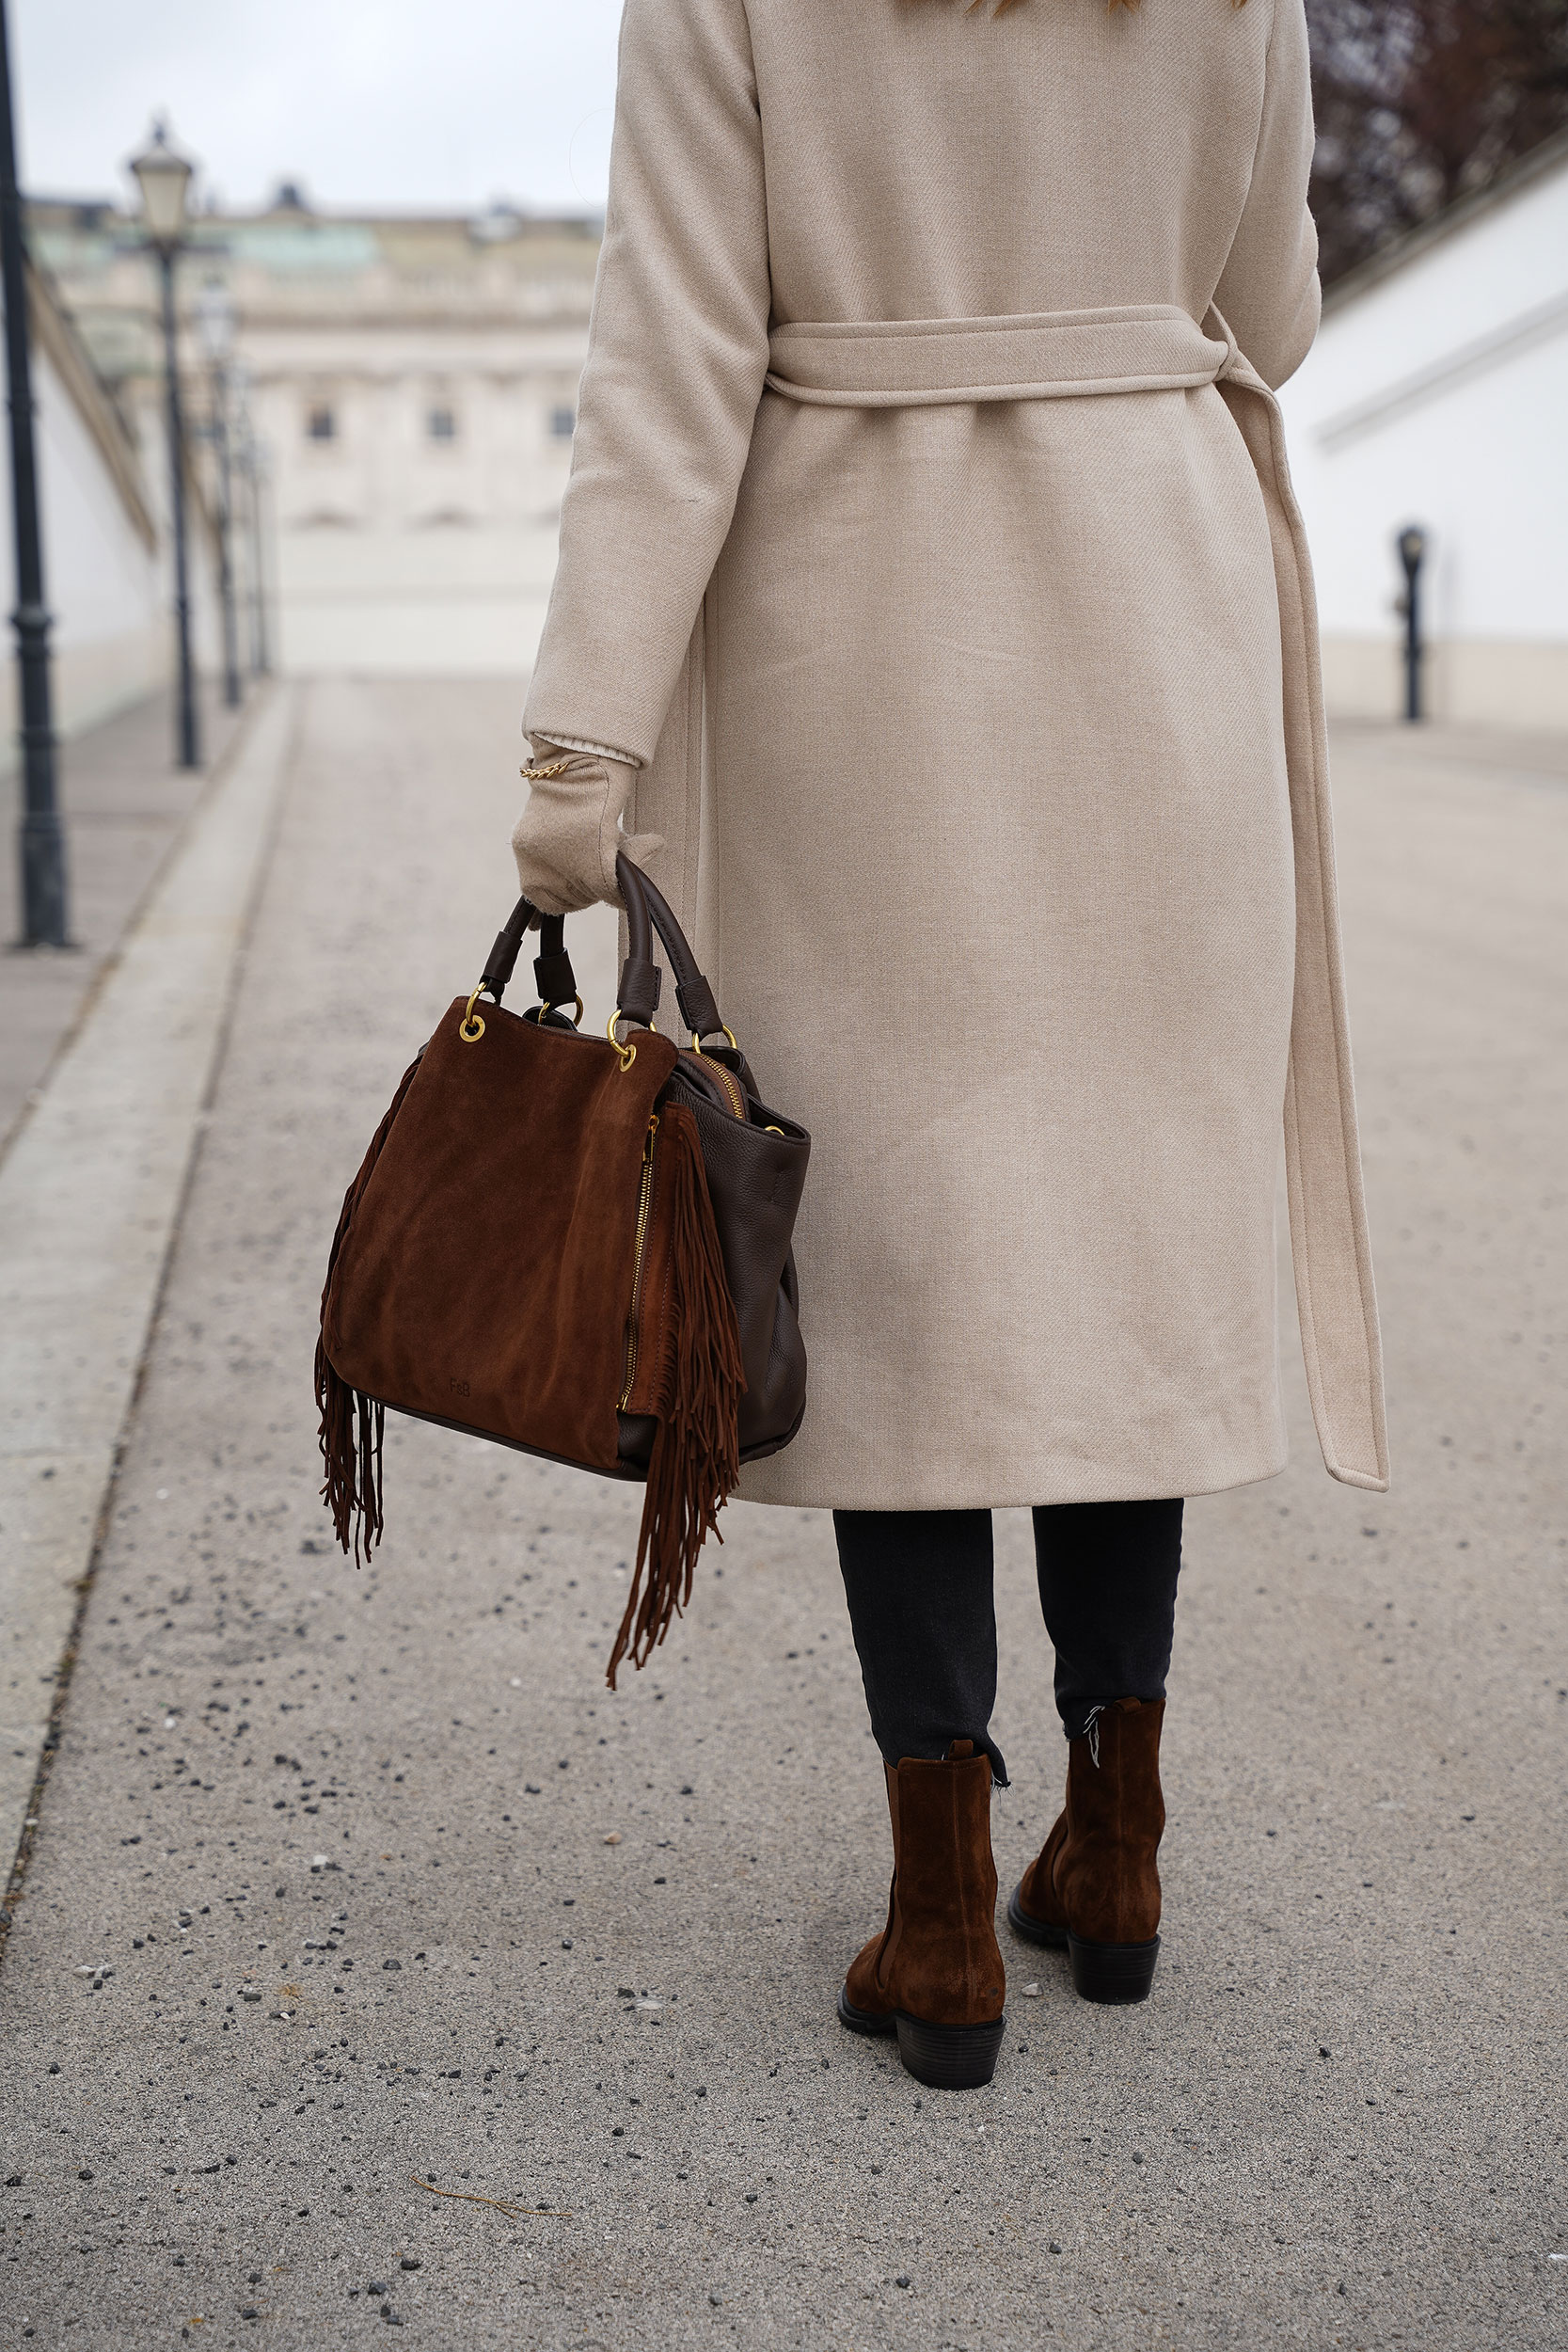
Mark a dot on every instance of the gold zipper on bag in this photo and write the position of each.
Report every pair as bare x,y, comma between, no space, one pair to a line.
731,1085
728,1082
644,1201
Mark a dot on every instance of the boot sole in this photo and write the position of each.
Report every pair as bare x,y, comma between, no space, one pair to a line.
944,2057
1113,1974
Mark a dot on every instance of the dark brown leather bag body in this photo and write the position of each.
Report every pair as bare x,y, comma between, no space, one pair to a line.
578,1247
755,1160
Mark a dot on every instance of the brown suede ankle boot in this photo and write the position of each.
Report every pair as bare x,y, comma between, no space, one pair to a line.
934,1976
1094,1886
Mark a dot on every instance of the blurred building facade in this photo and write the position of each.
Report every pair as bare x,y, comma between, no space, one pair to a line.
410,386
104,576
1438,394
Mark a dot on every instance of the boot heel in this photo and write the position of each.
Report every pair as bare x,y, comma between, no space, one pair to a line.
1113,1972
949,2057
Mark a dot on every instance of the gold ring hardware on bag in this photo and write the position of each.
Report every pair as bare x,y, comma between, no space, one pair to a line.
772,1131
471,1027
577,1018
627,1052
735,1048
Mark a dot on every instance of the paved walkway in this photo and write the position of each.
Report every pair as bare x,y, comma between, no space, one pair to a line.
91,1194
124,803
346,1883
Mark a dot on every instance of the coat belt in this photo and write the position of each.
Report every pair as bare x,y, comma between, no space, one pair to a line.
1050,354
1157,347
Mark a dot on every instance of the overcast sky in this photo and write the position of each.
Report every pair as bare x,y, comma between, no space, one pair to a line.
444,104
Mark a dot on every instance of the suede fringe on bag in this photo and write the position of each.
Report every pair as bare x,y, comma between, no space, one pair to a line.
696,1455
352,1424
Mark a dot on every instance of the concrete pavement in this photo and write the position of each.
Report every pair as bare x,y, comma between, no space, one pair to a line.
123,804
90,1190
349,1883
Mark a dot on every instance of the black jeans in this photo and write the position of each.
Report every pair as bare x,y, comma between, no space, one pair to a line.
919,1585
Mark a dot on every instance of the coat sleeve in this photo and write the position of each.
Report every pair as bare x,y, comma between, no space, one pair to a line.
1268,292
677,353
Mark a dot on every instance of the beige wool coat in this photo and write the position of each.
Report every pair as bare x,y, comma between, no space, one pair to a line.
929,547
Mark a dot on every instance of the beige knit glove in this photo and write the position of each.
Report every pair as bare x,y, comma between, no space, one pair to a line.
566,839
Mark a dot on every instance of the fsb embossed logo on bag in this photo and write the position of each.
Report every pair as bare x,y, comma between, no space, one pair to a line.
459,1388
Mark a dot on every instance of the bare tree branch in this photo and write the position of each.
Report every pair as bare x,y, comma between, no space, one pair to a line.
1420,102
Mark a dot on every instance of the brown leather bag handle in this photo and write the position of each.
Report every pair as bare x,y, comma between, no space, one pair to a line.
552,966
646,912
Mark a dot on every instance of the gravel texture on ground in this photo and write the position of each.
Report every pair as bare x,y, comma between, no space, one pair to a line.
349,1882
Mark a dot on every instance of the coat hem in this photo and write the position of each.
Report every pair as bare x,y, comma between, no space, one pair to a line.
1045,1487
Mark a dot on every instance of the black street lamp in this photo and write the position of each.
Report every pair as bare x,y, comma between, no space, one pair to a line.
260,477
1412,545
40,839
253,471
164,177
215,318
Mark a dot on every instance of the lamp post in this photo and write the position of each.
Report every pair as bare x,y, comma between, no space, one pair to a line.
260,476
40,839
253,466
242,443
1412,545
215,319
163,176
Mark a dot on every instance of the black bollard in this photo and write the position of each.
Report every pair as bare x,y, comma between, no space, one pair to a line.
1412,544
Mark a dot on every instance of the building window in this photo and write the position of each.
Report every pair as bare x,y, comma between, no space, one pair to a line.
321,422
441,424
563,424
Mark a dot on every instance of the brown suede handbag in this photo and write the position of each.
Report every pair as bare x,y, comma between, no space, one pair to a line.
575,1245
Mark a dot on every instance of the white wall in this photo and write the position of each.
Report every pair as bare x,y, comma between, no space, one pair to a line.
110,637
1438,394
450,599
